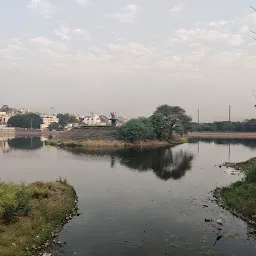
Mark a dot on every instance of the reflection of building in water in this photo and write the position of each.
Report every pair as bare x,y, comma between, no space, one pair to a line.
4,145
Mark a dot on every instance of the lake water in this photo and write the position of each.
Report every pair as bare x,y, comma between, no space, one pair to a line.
140,202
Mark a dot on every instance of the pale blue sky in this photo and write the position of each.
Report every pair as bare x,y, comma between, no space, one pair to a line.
129,56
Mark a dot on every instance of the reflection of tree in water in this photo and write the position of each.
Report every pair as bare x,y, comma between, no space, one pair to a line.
26,143
251,143
164,163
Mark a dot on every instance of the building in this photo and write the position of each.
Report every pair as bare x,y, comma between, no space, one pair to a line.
47,120
4,117
92,120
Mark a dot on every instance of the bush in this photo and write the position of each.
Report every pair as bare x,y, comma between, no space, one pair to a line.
136,130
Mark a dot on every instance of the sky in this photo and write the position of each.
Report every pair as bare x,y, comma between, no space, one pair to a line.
127,56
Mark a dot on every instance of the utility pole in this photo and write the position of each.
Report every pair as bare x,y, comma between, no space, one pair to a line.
229,114
198,116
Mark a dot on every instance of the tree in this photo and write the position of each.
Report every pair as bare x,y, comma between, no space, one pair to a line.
136,130
30,120
175,117
159,126
55,126
67,118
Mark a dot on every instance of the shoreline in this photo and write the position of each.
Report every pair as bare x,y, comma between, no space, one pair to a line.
112,143
239,198
31,220
222,135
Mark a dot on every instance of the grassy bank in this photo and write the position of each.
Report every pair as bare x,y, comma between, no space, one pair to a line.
240,197
32,215
111,143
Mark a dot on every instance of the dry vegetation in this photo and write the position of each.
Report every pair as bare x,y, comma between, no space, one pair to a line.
31,215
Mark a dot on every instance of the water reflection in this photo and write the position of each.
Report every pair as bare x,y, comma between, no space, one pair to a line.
165,163
23,143
251,143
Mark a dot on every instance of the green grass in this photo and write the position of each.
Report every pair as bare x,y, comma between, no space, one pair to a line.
241,196
31,214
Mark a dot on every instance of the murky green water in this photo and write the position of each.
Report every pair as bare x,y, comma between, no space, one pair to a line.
140,202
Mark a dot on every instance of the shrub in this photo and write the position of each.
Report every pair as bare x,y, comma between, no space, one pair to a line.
136,130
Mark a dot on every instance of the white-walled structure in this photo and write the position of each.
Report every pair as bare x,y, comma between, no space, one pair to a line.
92,120
47,120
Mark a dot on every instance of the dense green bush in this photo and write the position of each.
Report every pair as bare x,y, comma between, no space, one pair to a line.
136,130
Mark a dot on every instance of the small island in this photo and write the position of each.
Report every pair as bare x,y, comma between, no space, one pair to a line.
165,127
32,215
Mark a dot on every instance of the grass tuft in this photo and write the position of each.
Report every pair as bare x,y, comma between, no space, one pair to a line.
30,214
241,196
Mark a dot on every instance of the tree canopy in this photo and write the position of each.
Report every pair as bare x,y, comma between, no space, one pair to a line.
175,118
55,127
30,120
226,126
67,118
161,125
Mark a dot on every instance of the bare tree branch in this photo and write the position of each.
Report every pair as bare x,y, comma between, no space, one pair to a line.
253,8
252,32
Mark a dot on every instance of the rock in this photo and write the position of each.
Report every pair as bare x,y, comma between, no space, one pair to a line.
47,254
219,221
207,220
205,206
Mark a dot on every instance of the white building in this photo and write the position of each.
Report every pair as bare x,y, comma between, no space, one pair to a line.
4,117
92,120
47,120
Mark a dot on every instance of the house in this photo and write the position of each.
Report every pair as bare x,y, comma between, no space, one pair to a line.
92,120
47,120
4,117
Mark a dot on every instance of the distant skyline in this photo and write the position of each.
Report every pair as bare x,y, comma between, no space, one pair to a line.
129,56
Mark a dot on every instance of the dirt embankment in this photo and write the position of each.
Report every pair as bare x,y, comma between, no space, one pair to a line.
223,135
88,134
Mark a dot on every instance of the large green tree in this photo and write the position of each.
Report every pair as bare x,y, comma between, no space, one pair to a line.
30,120
159,125
67,118
175,118
55,127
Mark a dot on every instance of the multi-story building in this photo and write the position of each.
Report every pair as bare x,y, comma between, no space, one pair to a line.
47,120
92,120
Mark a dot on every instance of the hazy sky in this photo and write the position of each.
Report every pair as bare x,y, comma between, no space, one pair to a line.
129,56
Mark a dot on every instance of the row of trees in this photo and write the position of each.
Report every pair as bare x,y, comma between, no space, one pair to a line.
30,120
165,121
225,126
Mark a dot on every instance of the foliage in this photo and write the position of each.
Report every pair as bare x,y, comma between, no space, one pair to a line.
175,117
55,127
67,118
241,196
225,126
160,125
31,214
25,121
136,130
